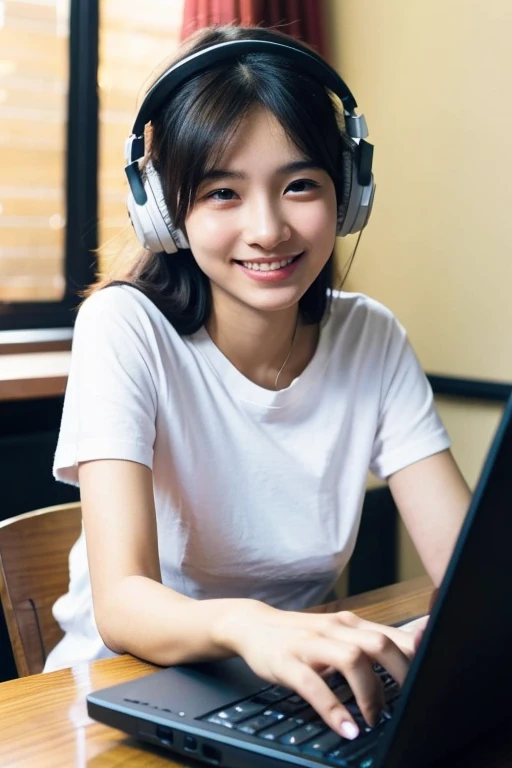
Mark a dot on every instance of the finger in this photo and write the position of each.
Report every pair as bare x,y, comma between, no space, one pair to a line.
418,637
400,638
323,623
376,643
356,667
381,649
415,624
313,689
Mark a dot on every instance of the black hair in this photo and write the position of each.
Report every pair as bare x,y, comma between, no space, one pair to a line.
191,132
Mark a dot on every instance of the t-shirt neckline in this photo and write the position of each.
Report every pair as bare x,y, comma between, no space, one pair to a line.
243,389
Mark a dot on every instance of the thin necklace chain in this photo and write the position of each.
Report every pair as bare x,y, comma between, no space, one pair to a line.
289,353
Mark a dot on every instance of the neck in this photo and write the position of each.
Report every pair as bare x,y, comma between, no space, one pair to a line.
258,343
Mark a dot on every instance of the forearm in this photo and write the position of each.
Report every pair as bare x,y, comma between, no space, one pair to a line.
149,620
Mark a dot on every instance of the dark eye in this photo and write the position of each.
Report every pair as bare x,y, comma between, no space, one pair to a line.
222,194
302,185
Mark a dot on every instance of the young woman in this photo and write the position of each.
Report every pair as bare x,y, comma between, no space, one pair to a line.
224,406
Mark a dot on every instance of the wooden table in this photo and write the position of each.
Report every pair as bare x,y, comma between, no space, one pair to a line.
44,723
32,375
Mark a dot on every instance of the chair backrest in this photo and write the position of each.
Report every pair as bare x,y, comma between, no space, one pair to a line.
34,572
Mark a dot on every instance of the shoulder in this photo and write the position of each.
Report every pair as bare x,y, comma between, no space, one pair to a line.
116,301
121,310
119,323
121,329
357,313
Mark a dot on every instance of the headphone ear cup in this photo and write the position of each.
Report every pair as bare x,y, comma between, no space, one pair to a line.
143,225
169,235
357,199
151,221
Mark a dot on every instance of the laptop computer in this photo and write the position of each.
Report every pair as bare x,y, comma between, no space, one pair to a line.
459,684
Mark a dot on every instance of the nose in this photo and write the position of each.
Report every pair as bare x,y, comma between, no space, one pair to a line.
265,224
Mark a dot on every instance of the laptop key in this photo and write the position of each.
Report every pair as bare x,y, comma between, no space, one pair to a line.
241,711
361,762
336,758
296,700
343,692
335,679
391,689
327,742
391,704
356,713
276,731
271,695
304,715
257,724
362,755
291,706
216,720
300,735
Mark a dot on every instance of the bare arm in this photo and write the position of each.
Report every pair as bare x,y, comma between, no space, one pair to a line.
134,611
432,498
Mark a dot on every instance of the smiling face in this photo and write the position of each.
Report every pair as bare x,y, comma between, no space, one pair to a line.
263,223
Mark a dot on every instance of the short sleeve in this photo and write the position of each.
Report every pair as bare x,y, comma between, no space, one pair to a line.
110,402
409,428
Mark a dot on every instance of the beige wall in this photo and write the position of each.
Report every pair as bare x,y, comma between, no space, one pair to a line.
434,81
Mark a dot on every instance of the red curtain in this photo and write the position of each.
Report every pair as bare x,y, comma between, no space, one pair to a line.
301,19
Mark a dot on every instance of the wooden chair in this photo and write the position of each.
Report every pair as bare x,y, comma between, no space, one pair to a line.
34,572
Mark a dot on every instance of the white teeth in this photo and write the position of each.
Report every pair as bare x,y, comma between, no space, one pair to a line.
267,266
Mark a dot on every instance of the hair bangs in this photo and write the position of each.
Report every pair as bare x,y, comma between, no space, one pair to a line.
196,128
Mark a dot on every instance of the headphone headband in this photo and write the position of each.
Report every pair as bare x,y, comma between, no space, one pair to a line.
197,62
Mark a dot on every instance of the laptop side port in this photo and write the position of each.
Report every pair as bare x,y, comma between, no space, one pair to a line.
164,734
190,743
211,754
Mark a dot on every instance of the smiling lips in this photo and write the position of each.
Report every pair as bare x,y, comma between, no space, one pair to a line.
270,270
266,266
269,266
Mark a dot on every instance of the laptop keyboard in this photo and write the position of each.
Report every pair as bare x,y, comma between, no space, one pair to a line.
278,715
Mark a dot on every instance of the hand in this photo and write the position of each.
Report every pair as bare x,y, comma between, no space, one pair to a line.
418,635
295,649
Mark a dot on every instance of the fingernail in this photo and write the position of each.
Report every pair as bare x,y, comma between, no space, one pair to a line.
349,730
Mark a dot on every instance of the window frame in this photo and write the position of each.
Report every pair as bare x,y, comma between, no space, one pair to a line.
81,185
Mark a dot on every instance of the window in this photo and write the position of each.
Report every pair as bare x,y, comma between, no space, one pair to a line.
48,110
131,46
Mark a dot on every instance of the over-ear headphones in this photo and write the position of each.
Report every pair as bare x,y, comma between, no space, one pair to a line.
146,205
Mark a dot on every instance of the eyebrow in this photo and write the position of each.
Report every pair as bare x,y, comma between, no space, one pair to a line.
298,165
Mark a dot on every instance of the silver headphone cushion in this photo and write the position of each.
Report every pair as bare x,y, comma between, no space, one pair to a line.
347,174
159,211
356,205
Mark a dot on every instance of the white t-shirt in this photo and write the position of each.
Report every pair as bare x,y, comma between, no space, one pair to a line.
257,493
